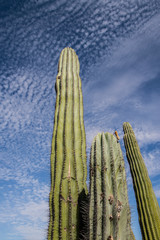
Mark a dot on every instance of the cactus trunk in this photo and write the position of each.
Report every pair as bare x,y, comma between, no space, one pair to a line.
109,212
148,208
68,154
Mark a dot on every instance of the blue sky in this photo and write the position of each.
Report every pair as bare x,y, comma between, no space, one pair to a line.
118,46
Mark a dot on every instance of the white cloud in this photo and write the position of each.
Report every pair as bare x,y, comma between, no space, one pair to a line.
157,192
115,90
30,232
129,67
27,211
35,211
27,101
152,161
24,100
146,134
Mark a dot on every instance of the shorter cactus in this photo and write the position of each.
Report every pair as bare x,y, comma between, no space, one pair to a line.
109,212
148,208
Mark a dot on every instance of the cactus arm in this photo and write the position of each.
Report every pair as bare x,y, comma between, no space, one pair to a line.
67,166
109,209
138,194
148,209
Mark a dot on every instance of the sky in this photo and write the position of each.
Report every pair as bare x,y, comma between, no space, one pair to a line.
118,45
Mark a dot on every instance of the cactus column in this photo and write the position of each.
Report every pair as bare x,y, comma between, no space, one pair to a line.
68,155
148,208
109,213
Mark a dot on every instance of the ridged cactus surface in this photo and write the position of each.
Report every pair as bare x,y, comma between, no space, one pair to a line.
148,208
109,212
68,156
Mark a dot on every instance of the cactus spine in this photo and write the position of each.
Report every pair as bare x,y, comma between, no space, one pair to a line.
148,208
109,213
68,154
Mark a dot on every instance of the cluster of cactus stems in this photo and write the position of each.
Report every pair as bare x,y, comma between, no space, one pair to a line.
104,212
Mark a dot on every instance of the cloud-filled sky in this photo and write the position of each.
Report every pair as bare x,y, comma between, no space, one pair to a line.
118,46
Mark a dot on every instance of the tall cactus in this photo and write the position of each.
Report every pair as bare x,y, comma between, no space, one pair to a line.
109,213
68,154
148,208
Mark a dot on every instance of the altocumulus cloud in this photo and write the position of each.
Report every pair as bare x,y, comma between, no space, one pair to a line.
108,36
125,88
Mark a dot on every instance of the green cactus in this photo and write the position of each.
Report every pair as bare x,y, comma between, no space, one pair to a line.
148,208
109,212
68,155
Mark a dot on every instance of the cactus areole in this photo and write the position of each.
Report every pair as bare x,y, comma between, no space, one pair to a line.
68,154
148,208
